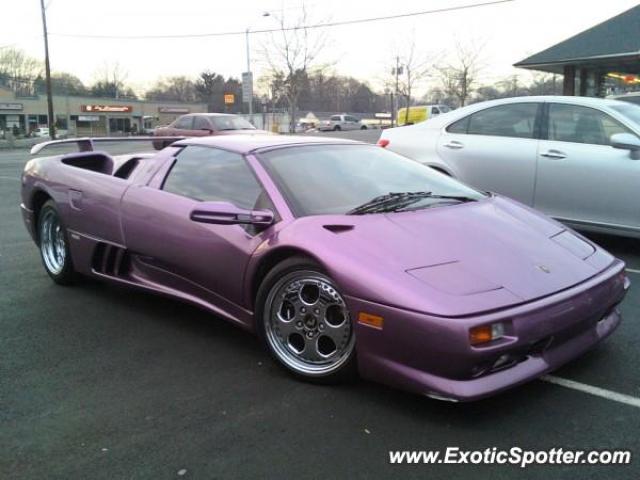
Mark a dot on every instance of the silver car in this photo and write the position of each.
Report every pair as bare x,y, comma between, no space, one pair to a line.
342,122
574,158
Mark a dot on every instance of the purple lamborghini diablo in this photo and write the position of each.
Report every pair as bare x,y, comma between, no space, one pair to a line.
343,257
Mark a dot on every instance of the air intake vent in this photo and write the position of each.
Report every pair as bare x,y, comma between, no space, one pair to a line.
338,228
110,260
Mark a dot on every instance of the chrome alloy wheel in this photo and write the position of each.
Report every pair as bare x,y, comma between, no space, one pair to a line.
307,324
52,242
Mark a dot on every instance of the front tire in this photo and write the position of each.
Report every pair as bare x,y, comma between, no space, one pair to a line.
54,245
304,322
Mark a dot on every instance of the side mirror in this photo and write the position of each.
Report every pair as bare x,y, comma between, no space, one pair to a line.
627,141
225,213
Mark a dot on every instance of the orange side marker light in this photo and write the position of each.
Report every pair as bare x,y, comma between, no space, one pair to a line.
370,320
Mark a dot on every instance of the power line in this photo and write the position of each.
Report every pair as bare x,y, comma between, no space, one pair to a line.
271,30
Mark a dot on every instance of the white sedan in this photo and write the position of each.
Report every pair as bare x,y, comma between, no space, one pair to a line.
574,158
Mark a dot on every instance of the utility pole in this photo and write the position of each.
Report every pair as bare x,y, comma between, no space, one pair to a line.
249,72
47,70
394,98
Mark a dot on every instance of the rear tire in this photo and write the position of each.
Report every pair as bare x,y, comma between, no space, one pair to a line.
363,127
337,128
305,324
54,245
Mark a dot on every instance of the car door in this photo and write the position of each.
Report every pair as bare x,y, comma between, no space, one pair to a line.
351,123
495,149
203,259
183,126
580,176
201,126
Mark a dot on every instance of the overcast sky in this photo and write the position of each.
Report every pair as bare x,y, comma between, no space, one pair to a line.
508,31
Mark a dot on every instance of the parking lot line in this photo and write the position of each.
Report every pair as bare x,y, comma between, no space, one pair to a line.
597,391
632,270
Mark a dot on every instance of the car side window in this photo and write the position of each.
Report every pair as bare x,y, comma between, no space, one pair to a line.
211,174
573,123
511,120
435,111
201,123
335,118
459,126
184,123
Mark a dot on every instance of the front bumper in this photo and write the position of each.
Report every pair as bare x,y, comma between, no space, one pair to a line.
432,356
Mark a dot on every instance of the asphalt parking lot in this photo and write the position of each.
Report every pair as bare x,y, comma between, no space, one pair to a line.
100,382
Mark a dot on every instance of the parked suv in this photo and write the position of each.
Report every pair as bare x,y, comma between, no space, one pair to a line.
342,122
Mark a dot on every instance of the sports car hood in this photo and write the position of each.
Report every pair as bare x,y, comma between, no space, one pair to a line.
458,260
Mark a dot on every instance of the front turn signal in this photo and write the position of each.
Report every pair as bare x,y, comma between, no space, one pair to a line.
486,333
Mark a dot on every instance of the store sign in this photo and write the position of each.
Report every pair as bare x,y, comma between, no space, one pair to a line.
88,118
229,99
107,108
247,87
11,106
174,110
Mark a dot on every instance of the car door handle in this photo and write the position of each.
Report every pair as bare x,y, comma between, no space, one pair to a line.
555,154
454,144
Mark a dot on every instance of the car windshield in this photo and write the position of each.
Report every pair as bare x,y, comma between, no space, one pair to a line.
336,179
629,110
231,122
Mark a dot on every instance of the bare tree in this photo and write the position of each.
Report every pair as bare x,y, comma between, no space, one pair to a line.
291,53
545,84
460,76
110,81
18,71
413,68
176,88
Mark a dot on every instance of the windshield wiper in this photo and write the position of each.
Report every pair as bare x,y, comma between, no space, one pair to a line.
389,202
395,201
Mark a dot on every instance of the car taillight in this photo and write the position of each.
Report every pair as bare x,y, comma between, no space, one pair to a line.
383,142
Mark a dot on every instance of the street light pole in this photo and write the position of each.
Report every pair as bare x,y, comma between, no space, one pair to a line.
47,70
250,77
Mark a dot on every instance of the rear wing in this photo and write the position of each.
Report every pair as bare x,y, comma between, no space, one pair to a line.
87,144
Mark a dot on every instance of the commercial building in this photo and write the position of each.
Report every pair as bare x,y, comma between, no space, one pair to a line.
89,115
602,60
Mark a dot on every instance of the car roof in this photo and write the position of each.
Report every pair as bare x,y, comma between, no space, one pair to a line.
206,114
453,115
247,143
